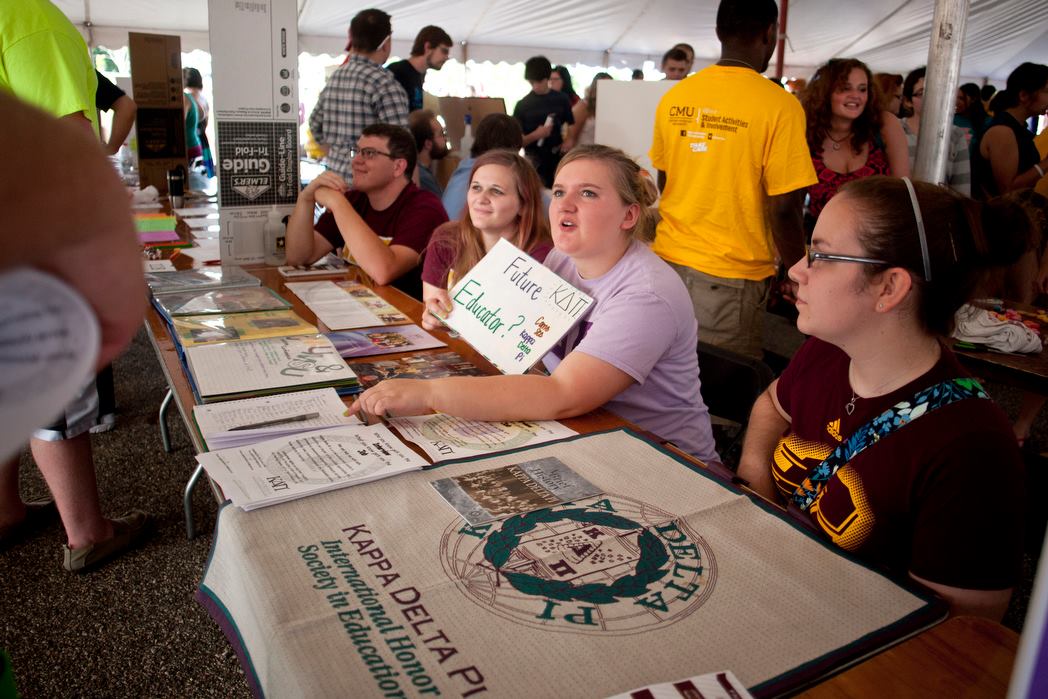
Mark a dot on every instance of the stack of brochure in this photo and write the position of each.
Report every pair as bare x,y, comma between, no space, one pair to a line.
288,468
327,265
256,325
347,305
204,278
216,301
230,370
237,423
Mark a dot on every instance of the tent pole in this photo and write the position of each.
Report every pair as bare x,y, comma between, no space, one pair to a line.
88,24
780,50
940,89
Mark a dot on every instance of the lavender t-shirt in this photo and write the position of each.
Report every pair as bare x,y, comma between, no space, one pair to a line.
642,323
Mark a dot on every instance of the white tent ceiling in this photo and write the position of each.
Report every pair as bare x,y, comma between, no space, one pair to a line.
890,35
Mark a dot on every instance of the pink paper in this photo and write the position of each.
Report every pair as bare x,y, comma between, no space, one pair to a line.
146,237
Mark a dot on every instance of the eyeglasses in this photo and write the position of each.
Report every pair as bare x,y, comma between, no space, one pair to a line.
369,153
813,256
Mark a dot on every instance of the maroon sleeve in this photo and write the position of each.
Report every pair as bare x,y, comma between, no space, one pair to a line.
968,503
327,227
440,255
791,378
540,251
422,214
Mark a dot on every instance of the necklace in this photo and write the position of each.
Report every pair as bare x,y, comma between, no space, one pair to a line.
837,143
849,407
737,61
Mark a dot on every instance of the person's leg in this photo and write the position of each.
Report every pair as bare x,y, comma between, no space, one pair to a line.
1029,409
69,471
12,509
730,312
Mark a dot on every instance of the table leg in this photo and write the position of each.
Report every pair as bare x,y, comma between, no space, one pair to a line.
187,501
165,437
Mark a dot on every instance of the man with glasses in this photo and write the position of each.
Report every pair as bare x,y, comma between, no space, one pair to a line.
432,144
431,50
360,92
383,223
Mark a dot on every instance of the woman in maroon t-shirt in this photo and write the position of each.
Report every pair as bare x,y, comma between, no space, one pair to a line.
504,200
940,498
849,134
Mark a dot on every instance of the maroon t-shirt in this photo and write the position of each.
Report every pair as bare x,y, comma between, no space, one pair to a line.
443,248
409,221
941,497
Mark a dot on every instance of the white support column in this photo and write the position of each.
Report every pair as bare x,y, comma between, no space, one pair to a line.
940,91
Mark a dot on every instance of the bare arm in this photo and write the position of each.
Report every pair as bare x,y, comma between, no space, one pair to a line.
436,301
998,145
786,215
541,132
581,113
767,423
304,245
580,383
895,145
89,241
383,263
986,603
124,112
662,180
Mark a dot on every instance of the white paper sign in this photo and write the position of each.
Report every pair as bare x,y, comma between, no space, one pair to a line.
512,309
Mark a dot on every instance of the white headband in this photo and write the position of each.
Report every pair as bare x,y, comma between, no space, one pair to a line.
920,229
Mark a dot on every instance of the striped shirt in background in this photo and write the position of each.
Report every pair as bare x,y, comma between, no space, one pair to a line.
958,161
359,93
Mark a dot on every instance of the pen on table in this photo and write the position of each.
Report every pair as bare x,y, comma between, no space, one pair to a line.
278,421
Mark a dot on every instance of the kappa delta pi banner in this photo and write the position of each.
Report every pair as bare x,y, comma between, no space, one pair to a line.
382,590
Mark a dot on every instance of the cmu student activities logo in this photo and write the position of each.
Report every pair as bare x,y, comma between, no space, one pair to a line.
606,565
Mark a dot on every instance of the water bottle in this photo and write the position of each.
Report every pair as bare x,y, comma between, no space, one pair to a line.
466,144
274,238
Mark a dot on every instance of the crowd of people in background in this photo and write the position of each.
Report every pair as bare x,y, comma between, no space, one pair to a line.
815,187
817,184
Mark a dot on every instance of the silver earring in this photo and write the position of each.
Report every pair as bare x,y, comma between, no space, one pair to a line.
880,306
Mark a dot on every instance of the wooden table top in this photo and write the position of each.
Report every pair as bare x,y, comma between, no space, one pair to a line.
167,351
963,657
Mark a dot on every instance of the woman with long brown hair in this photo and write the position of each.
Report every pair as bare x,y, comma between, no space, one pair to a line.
849,134
504,200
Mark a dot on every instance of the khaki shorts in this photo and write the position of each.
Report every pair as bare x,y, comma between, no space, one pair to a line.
730,312
94,407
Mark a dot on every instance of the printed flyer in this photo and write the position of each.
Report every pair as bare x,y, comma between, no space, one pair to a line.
445,437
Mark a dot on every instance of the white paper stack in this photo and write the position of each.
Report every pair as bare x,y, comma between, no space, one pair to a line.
250,368
229,425
288,468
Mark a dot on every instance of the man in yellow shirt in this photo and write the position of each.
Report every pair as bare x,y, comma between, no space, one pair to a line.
733,167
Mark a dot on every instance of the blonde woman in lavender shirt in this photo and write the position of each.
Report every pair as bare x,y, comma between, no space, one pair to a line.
634,352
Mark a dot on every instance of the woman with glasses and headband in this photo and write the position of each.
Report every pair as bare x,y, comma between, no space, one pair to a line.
874,435
504,200
849,134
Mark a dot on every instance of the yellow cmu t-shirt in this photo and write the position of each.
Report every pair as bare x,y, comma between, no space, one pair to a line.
726,137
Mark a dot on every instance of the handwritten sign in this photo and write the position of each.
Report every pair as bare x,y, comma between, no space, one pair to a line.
512,309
